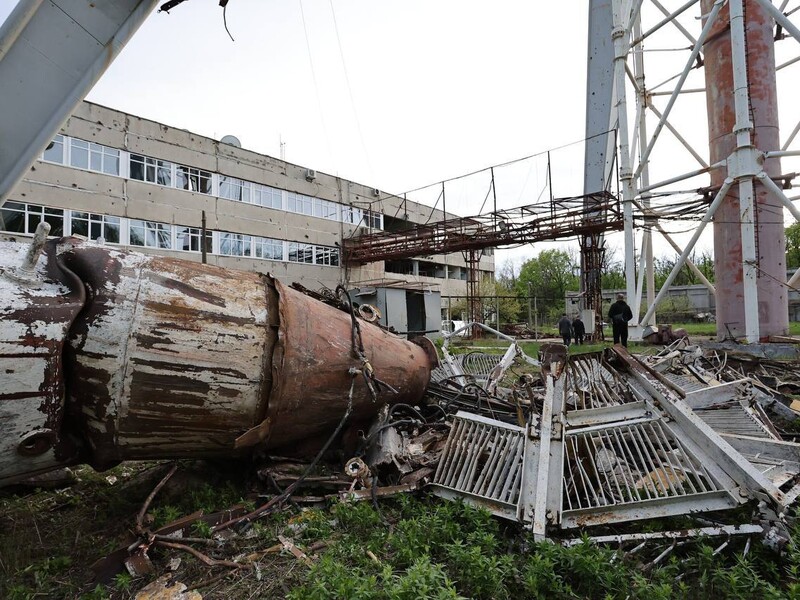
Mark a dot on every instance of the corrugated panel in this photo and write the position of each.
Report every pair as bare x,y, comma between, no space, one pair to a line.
686,383
733,418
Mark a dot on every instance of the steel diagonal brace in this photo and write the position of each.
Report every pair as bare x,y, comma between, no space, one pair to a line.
751,481
540,500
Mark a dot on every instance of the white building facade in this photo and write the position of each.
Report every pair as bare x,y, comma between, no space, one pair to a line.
144,185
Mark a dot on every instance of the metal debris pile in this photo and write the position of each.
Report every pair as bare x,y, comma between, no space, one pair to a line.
606,441
669,447
499,387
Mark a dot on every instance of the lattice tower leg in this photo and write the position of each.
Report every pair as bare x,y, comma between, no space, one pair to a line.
593,253
474,308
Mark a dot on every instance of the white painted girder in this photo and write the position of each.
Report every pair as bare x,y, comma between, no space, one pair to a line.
51,54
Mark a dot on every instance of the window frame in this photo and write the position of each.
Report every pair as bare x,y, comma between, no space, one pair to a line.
98,219
152,234
56,141
32,211
235,183
93,149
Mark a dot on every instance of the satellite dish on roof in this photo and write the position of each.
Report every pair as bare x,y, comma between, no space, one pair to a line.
232,140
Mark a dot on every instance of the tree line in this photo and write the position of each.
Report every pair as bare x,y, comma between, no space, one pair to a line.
544,280
549,276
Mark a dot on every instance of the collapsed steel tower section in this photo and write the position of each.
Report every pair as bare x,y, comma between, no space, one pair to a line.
735,46
615,440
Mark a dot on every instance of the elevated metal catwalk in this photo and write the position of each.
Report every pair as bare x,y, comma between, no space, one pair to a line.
561,218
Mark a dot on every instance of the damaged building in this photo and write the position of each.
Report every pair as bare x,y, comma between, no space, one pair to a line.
133,183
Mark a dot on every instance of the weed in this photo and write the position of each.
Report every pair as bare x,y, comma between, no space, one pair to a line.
20,592
357,517
311,524
162,515
202,529
122,581
421,581
98,593
479,574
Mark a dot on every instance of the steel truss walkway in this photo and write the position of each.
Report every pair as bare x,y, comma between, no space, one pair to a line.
560,218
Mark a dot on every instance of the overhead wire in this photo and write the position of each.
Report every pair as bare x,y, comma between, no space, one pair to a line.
350,92
316,86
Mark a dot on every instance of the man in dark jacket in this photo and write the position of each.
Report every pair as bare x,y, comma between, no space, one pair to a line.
565,329
619,314
579,329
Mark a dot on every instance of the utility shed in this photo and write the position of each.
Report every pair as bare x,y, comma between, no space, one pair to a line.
412,309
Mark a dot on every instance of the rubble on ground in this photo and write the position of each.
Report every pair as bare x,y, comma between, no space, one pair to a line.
604,444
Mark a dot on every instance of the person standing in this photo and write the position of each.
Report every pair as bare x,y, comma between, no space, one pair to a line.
565,329
619,314
579,329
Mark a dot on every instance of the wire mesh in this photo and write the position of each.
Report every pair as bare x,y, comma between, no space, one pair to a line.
592,384
625,463
475,364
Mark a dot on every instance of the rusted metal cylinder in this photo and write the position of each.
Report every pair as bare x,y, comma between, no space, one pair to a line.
168,358
38,303
770,237
311,368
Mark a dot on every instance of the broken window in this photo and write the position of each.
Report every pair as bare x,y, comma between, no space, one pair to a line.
301,253
351,214
326,209
235,244
150,234
373,220
188,239
54,153
94,226
268,248
326,256
24,218
234,189
150,170
192,179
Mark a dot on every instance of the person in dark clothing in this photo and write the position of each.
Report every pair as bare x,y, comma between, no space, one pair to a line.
565,329
579,329
619,314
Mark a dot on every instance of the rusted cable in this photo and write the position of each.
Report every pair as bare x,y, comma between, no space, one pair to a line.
211,562
140,517
295,484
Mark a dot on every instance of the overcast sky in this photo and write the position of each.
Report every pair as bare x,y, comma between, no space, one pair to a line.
395,95
391,94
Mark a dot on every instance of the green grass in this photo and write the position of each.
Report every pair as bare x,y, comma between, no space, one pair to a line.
694,330
429,548
415,547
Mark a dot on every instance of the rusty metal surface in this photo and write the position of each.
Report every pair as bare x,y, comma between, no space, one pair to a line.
562,218
770,238
164,358
311,365
168,358
36,311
